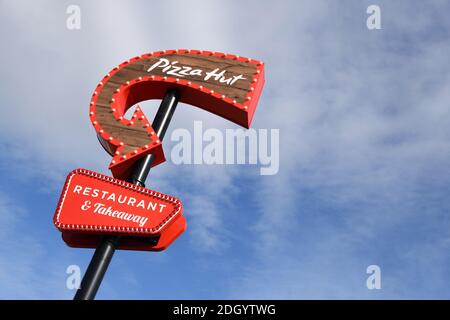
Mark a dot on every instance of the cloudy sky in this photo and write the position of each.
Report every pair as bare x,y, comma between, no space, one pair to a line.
364,173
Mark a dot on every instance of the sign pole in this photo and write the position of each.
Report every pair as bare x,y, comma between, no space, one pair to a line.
105,250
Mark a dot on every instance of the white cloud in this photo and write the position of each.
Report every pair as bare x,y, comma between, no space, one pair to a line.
54,135
27,271
360,124
362,115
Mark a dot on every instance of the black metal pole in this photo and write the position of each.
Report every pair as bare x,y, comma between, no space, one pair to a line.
105,250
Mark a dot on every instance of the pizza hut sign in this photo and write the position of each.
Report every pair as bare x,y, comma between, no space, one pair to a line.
93,205
92,202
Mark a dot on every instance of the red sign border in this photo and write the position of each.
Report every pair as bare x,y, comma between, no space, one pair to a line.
122,230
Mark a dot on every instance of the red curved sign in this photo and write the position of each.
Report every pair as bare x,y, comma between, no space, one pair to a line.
226,85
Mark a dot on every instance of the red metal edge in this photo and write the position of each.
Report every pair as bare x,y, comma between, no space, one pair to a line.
255,94
168,236
122,230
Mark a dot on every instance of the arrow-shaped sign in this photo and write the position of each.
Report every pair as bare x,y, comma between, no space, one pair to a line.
226,85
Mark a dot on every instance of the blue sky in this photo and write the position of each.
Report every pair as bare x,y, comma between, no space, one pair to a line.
364,149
